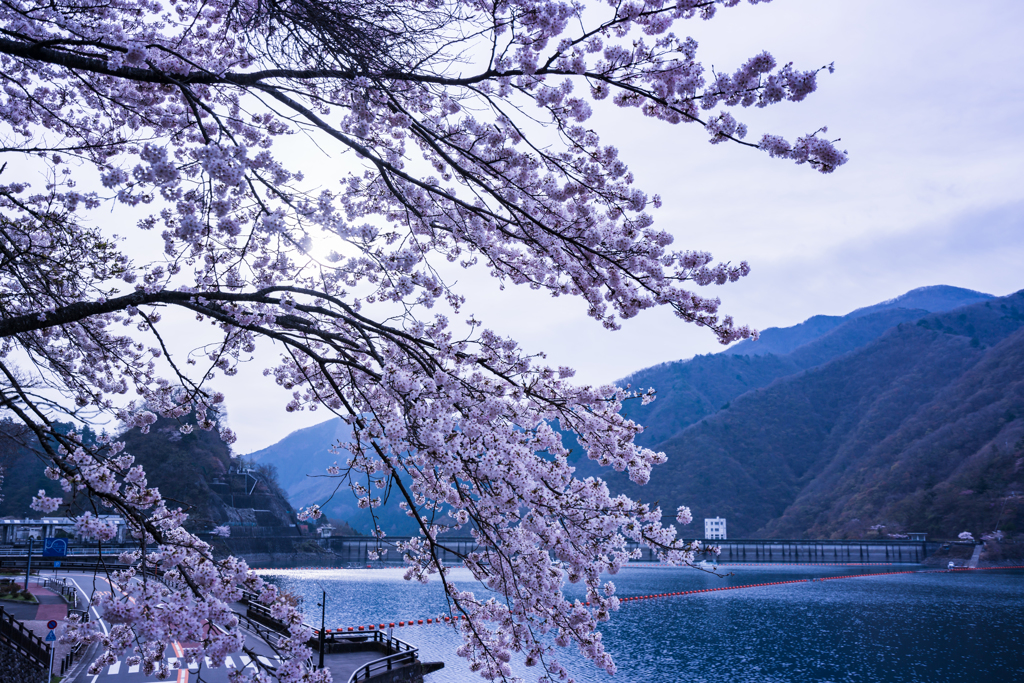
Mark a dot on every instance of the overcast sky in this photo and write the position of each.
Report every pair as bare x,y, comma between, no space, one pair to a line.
927,97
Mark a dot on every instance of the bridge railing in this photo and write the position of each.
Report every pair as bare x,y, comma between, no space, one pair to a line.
69,593
14,633
402,654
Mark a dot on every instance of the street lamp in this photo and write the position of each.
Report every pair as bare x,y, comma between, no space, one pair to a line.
323,611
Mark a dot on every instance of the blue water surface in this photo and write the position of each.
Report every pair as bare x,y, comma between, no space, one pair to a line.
923,626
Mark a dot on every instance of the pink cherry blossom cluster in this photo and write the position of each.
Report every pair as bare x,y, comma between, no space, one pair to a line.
175,114
44,503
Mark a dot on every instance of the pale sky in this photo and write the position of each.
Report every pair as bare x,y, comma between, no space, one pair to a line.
928,98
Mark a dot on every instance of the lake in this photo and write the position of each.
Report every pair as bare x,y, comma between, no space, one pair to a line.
922,626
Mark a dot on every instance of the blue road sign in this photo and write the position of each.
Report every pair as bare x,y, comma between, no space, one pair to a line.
51,624
56,564
50,637
55,547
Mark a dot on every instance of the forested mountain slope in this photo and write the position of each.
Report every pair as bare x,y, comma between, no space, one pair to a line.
782,341
301,460
689,391
22,469
920,429
194,471
751,459
692,389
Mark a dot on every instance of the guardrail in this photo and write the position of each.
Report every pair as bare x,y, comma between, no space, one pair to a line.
74,550
255,612
23,640
67,592
19,564
69,659
403,654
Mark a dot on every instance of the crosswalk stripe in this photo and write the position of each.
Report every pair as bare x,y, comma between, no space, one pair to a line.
179,664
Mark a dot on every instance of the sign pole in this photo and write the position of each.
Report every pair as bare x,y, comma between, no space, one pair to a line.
28,565
323,612
51,638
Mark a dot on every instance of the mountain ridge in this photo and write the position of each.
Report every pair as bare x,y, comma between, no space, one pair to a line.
804,456
933,298
774,441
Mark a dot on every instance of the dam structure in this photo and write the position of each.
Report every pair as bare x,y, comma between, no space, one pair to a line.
821,551
342,551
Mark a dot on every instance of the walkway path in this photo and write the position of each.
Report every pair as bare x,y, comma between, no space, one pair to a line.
51,606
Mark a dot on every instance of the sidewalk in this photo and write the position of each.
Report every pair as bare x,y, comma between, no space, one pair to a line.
51,606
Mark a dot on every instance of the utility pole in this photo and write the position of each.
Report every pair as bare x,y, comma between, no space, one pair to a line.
28,565
323,614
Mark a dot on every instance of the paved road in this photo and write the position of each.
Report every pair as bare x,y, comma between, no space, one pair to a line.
121,672
341,665
53,607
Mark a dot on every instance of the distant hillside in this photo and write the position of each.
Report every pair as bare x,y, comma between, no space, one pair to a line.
194,471
22,469
691,390
919,429
304,452
765,433
782,341
301,460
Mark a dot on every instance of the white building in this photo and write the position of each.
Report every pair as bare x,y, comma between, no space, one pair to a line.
714,528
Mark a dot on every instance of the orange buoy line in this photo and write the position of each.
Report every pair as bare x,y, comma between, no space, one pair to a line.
270,569
635,598
653,565
971,569
660,565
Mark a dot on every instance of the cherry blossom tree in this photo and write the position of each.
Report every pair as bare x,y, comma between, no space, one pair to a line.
463,129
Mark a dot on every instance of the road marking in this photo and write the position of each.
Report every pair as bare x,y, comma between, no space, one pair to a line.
183,670
114,668
96,614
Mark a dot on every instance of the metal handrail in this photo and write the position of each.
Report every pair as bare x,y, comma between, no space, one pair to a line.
22,639
382,664
67,592
405,651
265,632
78,550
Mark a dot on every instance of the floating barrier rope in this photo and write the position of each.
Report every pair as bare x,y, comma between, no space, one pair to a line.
974,569
635,598
652,565
660,565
